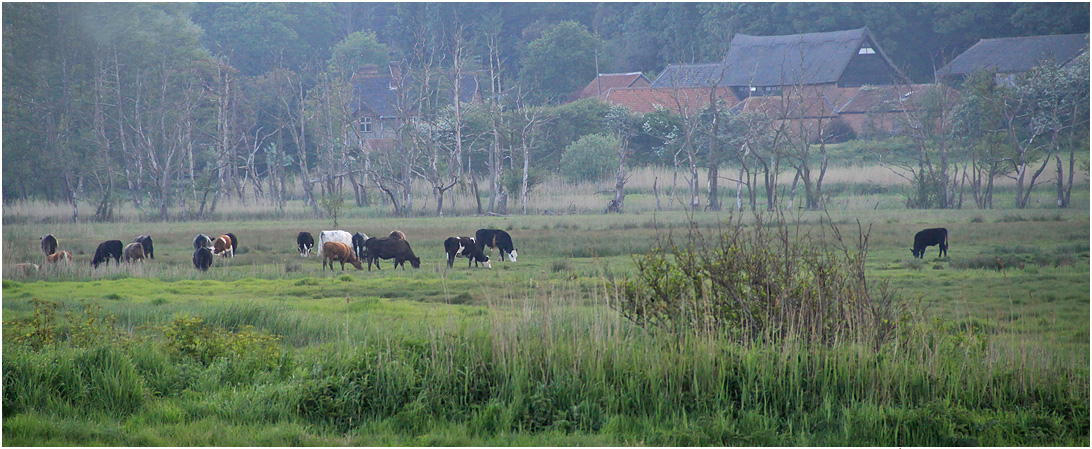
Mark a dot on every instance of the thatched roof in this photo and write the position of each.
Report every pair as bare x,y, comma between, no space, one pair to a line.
1015,54
791,60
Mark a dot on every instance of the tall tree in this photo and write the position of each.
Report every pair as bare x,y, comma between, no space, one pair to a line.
560,62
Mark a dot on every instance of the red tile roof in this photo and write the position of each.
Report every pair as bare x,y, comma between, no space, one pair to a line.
677,100
607,81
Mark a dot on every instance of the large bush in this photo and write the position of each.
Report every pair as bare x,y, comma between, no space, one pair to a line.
764,281
591,157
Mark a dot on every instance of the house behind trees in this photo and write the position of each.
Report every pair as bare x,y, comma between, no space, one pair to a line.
1010,56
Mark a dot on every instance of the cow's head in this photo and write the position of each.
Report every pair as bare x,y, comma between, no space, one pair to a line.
915,252
415,262
486,263
512,255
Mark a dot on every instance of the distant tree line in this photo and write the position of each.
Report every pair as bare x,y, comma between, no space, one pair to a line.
178,106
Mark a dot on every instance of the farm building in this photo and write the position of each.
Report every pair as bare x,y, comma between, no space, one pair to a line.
766,65
603,83
1011,56
376,101
814,79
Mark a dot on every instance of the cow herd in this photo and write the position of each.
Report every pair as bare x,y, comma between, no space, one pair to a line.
358,249
354,249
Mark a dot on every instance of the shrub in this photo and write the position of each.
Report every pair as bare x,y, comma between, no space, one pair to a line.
193,338
760,282
590,158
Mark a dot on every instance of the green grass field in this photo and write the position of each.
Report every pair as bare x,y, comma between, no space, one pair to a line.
267,349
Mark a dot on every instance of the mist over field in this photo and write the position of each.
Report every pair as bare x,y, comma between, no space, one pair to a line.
737,224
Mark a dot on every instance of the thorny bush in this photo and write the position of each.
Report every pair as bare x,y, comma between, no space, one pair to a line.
761,281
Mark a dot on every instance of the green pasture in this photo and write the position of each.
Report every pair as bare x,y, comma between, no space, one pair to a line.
269,349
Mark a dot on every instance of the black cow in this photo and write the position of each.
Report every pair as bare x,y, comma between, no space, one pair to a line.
464,247
146,242
305,242
234,243
390,248
358,247
49,244
202,258
106,250
930,237
202,241
496,238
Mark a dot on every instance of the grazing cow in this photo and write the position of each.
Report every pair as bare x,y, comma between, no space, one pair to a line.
59,257
202,241
464,247
202,258
234,243
145,242
496,238
339,252
358,246
49,244
134,252
26,268
106,250
335,236
929,237
222,246
390,248
305,242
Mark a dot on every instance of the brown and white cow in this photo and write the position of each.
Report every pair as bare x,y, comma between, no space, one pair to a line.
61,257
222,246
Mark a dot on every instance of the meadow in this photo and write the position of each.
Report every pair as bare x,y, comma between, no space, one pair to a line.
268,349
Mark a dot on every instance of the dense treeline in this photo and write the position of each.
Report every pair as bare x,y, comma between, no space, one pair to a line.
172,107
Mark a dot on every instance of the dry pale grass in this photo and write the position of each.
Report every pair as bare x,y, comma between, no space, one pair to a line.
554,196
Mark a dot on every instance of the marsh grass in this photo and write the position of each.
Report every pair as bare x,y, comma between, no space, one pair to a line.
526,354
539,365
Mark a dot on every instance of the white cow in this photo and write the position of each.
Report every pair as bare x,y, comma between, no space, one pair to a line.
334,236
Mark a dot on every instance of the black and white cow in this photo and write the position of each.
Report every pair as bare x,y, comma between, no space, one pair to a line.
106,250
202,241
929,237
305,242
202,258
145,242
465,247
496,238
358,247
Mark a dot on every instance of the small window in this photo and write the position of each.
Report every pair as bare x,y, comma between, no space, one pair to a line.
866,51
366,125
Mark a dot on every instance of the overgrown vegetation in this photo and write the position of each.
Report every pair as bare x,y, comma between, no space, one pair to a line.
762,281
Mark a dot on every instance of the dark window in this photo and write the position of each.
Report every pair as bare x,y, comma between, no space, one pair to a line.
366,124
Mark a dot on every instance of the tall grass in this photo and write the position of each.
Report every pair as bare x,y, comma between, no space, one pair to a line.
542,365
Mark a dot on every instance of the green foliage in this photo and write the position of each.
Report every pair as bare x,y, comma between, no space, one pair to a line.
591,157
47,327
357,50
560,62
193,338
